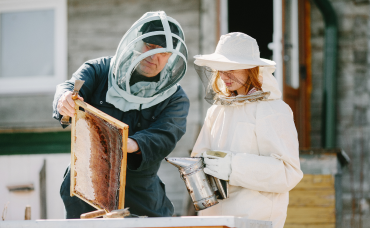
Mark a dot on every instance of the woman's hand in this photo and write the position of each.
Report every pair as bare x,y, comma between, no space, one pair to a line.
218,163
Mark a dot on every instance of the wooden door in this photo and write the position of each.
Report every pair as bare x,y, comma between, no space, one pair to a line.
296,64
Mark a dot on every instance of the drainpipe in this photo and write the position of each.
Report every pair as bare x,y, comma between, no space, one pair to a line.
330,72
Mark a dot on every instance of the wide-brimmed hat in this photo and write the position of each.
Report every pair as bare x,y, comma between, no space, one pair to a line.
234,51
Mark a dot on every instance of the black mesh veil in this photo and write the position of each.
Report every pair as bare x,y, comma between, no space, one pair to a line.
206,74
208,77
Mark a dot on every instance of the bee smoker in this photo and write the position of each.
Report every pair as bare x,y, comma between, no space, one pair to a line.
203,189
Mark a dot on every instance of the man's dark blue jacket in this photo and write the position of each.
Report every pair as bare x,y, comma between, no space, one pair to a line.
156,130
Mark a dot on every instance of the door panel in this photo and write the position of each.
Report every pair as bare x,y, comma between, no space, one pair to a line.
296,78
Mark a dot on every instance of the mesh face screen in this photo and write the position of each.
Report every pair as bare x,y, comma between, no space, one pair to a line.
146,50
208,77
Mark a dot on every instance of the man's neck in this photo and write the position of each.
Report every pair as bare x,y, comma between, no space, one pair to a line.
136,77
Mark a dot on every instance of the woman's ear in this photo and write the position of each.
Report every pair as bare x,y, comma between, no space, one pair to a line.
260,78
260,75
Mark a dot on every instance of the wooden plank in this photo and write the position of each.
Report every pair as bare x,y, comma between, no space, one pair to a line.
315,182
321,225
324,198
43,191
196,227
73,157
122,181
87,201
101,114
310,215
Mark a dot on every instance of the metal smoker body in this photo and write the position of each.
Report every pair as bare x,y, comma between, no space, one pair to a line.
203,189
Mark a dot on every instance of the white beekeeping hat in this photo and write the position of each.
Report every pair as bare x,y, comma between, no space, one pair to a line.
234,51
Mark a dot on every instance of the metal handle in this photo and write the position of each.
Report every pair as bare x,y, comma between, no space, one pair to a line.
65,120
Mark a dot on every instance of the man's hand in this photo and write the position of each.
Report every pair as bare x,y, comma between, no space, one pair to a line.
132,145
66,105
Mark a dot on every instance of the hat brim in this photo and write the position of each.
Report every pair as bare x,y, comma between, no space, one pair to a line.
220,62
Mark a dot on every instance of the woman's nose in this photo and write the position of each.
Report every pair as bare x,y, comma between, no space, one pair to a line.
224,77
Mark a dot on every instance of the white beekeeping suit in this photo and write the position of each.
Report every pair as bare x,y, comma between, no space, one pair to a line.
259,134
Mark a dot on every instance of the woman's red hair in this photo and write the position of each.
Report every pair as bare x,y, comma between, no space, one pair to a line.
253,81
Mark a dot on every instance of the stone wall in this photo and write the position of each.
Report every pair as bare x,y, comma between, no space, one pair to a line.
353,101
25,112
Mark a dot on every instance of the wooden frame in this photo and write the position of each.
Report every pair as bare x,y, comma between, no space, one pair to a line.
123,127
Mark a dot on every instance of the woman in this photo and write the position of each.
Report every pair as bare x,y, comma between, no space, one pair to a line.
253,128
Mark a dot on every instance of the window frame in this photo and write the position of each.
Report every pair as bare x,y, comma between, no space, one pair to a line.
40,84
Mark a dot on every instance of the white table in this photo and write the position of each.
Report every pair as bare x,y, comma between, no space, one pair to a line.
186,221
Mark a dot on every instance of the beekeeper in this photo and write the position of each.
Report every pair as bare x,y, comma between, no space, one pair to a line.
138,86
252,127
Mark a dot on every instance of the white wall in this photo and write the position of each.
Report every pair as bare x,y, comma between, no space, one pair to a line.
25,169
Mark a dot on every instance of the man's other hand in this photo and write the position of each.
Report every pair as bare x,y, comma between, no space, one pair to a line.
132,146
66,105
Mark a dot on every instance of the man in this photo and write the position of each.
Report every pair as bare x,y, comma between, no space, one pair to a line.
137,86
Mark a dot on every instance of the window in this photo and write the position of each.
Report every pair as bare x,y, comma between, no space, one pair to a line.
33,51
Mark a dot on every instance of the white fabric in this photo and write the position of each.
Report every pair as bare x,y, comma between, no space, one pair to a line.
234,51
265,162
269,82
217,166
130,102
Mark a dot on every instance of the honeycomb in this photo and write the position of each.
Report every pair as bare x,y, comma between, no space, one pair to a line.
98,155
